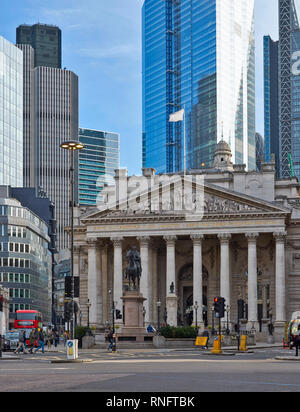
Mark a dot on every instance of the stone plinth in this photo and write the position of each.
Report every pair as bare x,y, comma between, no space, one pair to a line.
133,329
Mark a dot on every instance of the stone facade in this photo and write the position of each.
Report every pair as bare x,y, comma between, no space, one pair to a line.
246,244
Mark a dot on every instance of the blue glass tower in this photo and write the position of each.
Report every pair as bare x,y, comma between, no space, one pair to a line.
271,100
97,163
197,55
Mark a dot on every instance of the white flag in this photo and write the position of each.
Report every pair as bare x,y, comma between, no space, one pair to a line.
177,117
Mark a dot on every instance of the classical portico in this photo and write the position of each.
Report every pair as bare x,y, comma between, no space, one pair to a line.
235,240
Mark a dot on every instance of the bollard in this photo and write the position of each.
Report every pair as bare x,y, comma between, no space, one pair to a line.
217,345
243,344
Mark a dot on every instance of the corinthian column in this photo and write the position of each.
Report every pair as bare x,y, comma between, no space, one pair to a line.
118,275
197,280
224,267
94,282
252,279
171,298
280,278
145,284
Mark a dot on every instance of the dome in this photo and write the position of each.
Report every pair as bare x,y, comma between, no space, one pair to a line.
222,146
222,157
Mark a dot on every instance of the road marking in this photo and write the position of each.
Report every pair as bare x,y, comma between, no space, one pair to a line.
131,361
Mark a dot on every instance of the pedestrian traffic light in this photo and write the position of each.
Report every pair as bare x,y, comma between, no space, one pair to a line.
219,307
1,303
241,308
118,314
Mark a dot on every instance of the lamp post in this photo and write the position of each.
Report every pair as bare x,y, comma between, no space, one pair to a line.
213,321
158,303
227,315
88,331
196,307
72,145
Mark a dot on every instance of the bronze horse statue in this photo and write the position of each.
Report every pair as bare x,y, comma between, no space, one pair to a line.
134,269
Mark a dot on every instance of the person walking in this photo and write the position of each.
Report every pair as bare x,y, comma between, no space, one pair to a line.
297,340
56,338
41,341
22,342
110,337
32,339
49,339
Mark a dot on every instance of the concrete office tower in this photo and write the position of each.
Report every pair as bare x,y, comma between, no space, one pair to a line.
28,115
56,110
271,101
97,163
11,114
289,89
46,42
198,54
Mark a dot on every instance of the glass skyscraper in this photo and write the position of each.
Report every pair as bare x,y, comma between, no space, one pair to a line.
271,99
11,114
97,163
198,54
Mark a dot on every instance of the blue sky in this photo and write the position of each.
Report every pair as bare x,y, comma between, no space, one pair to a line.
102,45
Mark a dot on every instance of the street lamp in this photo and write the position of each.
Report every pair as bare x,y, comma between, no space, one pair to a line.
88,331
196,307
227,314
213,320
158,304
72,145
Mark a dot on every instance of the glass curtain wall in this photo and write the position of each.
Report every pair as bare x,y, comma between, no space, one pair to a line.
198,55
11,114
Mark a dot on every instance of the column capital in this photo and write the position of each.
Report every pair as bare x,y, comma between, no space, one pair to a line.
280,236
144,240
252,236
117,240
170,239
224,237
92,241
197,238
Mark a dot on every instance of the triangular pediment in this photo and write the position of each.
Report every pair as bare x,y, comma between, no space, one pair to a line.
204,199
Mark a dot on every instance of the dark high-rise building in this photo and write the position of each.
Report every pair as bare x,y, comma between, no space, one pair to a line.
271,100
46,42
50,117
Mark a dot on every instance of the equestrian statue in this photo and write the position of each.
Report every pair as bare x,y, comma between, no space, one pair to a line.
134,268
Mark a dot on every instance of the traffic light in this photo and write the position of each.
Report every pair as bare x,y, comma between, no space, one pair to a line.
219,307
241,309
1,303
118,314
68,286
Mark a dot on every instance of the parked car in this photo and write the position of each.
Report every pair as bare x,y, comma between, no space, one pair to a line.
11,340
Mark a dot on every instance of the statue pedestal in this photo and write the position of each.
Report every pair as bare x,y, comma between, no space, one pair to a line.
133,329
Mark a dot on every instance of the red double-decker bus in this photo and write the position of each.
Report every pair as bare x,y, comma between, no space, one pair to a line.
28,320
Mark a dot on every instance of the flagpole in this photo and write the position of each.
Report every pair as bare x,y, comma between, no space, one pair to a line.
184,144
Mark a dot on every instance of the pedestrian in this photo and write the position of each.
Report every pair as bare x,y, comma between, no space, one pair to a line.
22,342
66,337
205,334
56,338
297,340
110,337
32,339
41,340
49,339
